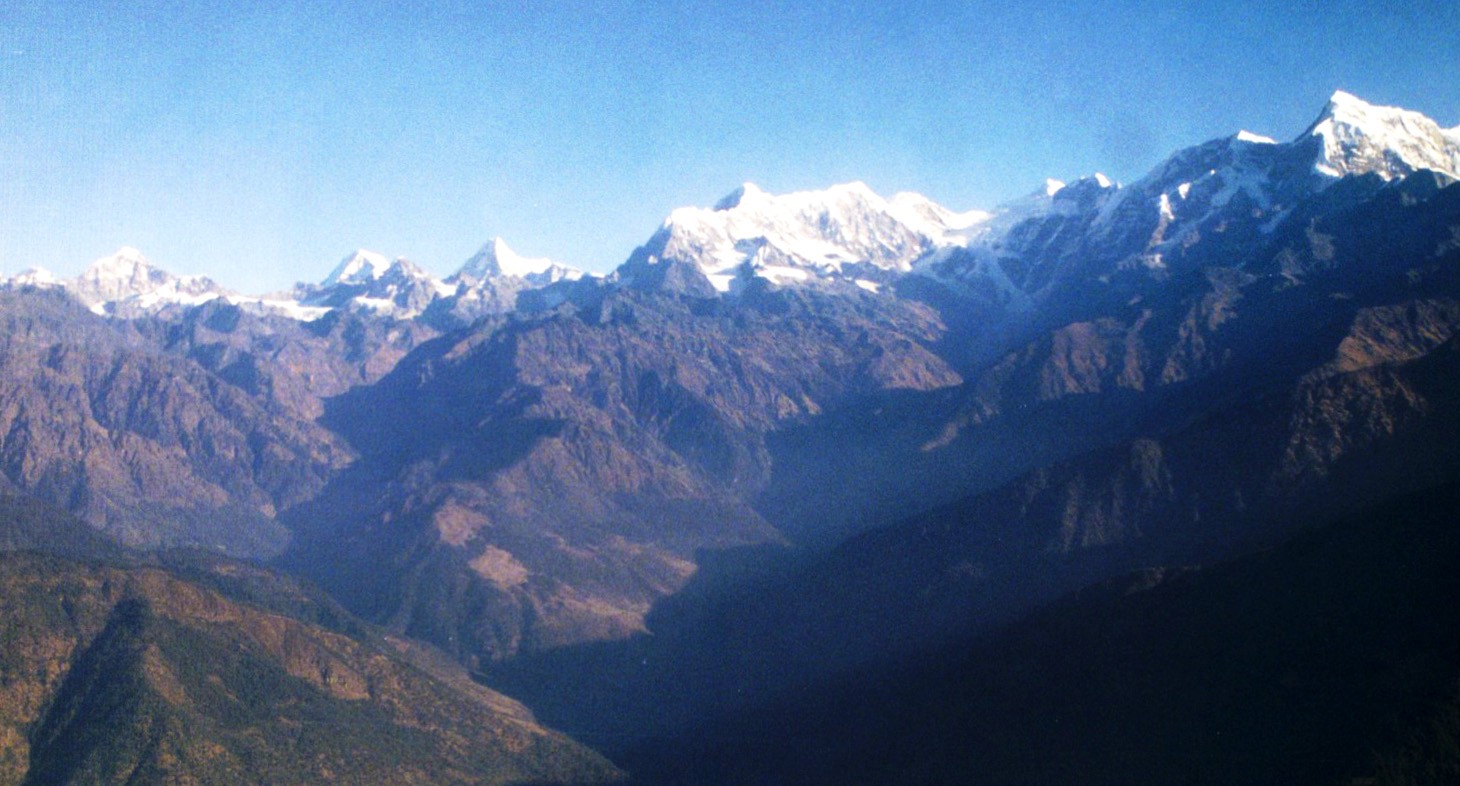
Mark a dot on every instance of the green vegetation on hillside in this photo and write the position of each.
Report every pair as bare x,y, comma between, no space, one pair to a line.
115,671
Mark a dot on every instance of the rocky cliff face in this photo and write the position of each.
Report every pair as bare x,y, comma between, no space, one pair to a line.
1251,404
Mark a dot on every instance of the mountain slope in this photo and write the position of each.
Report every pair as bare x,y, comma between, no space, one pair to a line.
119,674
947,419
1114,349
555,475
149,447
1312,393
1312,663
544,479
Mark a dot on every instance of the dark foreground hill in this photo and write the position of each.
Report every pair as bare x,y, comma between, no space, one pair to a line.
1332,659
125,673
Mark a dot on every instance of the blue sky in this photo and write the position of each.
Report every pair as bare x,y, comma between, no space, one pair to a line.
258,144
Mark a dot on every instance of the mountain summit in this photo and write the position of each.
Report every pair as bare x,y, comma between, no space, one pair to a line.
496,259
361,267
847,236
126,281
1360,137
845,233
365,279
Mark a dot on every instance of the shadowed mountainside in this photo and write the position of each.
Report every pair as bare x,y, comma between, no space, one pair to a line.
1329,659
543,483
1358,407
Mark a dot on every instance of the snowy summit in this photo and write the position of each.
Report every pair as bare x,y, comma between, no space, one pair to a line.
497,259
846,232
847,236
1359,137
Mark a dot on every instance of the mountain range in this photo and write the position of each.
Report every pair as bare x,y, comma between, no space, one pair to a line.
795,443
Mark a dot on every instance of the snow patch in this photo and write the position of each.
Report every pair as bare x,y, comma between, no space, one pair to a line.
1163,205
383,305
283,307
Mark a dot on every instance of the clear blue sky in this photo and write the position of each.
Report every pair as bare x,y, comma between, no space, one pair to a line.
258,144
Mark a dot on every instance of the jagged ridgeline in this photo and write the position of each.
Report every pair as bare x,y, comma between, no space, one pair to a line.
793,437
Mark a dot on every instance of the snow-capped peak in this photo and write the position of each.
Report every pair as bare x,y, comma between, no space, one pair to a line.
125,257
125,268
361,267
845,232
498,259
1359,137
492,280
369,280
127,279
1254,139
34,277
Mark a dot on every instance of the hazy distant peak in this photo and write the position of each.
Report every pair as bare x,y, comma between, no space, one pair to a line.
359,267
126,278
496,258
34,277
126,262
